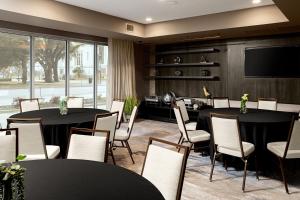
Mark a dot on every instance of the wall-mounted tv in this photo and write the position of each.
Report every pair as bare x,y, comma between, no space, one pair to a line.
271,62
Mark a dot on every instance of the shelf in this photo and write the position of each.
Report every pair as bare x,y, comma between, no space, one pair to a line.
207,50
203,64
208,78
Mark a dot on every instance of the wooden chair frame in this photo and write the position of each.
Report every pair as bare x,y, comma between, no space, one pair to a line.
221,98
121,100
8,132
92,132
184,161
33,99
30,120
126,145
182,139
243,158
111,144
266,99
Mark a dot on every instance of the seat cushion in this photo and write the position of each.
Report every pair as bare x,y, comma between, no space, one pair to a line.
198,135
121,134
191,126
247,147
52,151
278,149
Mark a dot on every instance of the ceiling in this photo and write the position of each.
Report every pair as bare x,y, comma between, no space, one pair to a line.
163,10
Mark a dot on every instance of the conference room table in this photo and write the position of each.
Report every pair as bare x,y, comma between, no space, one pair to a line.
84,180
258,127
56,127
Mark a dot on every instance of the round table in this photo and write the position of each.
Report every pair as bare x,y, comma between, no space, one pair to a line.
56,126
258,127
84,180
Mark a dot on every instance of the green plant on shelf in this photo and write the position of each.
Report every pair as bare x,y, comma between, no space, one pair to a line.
130,102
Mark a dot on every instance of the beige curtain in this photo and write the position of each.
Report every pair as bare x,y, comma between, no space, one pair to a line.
122,69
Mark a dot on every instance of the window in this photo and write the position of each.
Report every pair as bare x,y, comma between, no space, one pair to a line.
84,75
102,54
14,73
49,71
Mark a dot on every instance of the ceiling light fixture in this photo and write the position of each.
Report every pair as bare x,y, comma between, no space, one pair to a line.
148,19
256,1
169,2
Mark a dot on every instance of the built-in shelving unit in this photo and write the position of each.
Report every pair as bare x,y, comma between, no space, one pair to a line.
186,77
203,64
188,51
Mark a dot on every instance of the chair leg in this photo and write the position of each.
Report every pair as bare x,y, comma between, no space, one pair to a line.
245,174
225,162
212,167
112,155
179,139
256,167
283,175
123,144
129,151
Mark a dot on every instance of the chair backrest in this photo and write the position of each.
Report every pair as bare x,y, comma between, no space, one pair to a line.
29,104
132,120
75,102
226,132
9,145
221,102
184,112
267,103
165,168
118,106
31,139
293,142
88,146
107,122
180,122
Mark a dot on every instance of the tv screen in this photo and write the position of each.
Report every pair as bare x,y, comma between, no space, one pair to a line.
272,62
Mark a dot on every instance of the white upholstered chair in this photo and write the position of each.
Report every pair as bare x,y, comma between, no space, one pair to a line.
227,140
189,136
31,139
221,102
75,102
87,146
289,149
29,104
165,168
118,106
124,135
8,145
107,122
190,126
267,103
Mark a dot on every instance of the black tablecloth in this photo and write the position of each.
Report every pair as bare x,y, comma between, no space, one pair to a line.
56,126
258,127
84,180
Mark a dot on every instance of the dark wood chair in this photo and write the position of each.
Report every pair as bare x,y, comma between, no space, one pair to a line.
221,102
267,103
8,145
29,104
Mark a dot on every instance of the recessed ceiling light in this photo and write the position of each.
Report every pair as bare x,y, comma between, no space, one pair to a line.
256,1
169,2
148,19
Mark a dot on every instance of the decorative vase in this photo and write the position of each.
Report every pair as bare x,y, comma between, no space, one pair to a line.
243,108
63,108
63,111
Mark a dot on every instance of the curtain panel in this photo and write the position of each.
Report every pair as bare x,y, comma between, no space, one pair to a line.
122,69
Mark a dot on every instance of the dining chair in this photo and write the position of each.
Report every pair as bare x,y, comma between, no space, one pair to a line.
107,121
267,103
29,104
221,102
190,126
8,145
165,167
190,137
227,140
289,149
84,145
118,106
31,139
75,102
123,135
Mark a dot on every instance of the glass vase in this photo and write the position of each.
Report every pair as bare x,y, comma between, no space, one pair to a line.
243,108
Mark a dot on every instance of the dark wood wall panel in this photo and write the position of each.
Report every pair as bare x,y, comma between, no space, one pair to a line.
232,81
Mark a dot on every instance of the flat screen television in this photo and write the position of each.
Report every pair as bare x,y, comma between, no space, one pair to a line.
272,62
